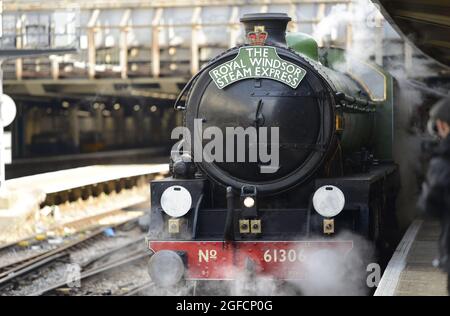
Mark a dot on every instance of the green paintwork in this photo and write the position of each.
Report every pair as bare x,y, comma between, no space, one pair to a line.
331,56
303,44
379,125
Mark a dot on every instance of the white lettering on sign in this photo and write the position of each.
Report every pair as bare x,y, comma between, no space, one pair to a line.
284,255
257,62
206,255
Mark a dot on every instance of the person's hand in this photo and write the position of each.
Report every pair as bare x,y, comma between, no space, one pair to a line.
443,128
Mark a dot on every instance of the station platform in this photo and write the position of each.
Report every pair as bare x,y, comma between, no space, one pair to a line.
31,204
31,166
410,271
52,182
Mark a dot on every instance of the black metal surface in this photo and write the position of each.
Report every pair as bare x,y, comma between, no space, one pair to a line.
274,24
158,218
228,230
306,125
361,190
279,221
277,224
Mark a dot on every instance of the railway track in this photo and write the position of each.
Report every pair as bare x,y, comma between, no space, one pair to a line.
128,254
138,289
14,272
82,227
26,259
79,225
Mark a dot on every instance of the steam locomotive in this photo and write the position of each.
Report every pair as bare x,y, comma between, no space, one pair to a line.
332,168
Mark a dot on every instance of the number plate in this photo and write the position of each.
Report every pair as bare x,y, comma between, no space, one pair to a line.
279,259
284,255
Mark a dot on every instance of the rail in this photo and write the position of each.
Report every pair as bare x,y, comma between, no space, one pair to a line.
14,271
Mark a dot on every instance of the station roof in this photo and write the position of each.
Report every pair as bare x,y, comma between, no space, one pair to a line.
426,23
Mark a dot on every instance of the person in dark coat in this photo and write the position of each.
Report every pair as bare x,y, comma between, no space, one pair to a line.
435,197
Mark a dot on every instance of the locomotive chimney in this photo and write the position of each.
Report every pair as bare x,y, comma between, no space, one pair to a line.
274,24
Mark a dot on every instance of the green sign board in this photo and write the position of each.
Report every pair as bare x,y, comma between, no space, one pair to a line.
257,62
